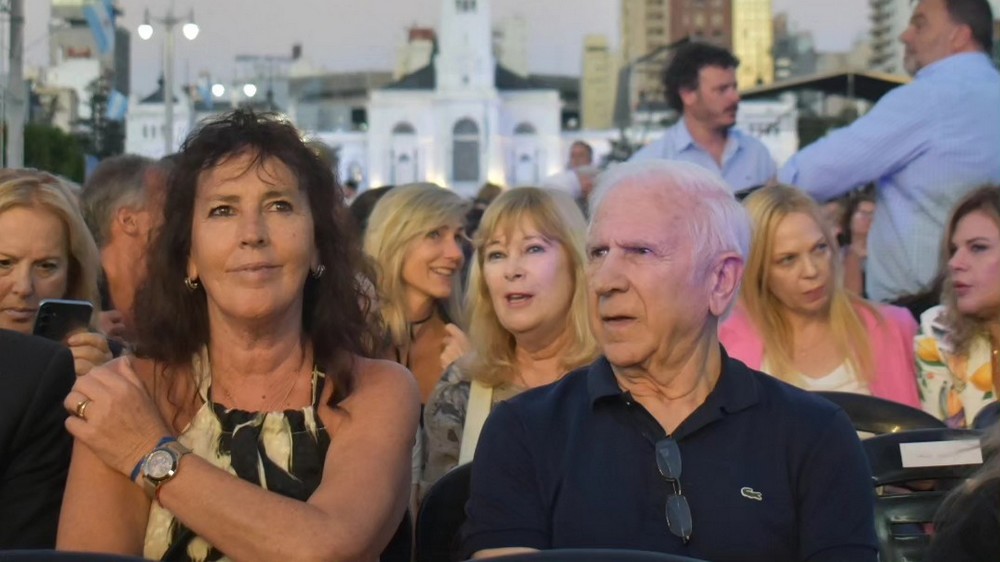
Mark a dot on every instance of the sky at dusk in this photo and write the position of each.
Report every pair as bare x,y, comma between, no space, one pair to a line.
341,35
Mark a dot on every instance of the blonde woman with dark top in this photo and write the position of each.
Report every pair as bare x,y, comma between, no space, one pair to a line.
528,318
415,236
47,252
958,347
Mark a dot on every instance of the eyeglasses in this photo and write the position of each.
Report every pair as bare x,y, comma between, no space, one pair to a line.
668,460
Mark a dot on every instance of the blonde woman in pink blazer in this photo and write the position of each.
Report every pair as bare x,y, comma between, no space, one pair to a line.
796,321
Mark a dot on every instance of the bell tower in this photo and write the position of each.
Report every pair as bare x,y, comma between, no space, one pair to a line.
465,50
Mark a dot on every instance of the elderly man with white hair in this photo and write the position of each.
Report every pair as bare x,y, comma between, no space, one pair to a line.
665,443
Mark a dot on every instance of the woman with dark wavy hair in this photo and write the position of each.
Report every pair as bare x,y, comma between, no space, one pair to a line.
254,354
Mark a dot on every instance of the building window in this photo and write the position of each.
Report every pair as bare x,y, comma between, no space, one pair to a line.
463,6
465,151
403,128
524,129
404,156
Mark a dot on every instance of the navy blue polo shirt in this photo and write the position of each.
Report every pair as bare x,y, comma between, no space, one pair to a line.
772,473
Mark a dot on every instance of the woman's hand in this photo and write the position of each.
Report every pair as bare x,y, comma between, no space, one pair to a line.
89,349
114,415
112,324
456,345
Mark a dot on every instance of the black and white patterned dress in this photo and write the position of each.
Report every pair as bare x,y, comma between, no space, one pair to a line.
282,452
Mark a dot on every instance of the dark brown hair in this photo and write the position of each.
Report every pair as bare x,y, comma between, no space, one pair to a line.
685,67
172,322
978,15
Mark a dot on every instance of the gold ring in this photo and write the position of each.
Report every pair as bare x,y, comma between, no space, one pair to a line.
81,409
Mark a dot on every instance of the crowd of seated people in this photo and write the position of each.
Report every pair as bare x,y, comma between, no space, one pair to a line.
291,381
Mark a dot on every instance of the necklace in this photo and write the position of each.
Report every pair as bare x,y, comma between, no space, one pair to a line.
412,327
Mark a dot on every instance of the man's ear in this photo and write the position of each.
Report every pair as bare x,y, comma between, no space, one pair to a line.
688,96
127,220
724,283
962,39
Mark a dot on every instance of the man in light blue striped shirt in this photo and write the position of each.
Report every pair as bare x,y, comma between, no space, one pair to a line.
701,84
925,144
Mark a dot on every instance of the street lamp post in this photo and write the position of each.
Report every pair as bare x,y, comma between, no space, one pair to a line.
190,31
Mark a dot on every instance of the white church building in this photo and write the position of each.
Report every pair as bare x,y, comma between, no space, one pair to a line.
463,119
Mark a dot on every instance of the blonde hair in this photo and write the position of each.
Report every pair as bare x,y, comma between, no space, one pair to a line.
963,328
768,207
556,217
404,215
35,189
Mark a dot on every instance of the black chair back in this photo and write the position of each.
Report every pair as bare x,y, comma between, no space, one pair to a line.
597,555
903,516
987,417
441,516
876,415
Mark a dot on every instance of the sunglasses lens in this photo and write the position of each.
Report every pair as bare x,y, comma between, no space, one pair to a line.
668,458
679,516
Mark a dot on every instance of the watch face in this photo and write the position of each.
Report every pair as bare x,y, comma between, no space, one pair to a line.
159,464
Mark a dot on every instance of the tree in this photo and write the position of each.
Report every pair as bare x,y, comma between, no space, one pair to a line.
49,148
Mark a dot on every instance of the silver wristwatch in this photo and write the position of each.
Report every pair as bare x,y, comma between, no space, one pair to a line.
161,465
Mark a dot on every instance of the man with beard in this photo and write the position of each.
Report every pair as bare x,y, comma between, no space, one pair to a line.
925,144
700,82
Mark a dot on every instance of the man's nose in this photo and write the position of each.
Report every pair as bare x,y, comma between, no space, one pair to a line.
607,276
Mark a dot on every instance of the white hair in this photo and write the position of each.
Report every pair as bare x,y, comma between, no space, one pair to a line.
718,223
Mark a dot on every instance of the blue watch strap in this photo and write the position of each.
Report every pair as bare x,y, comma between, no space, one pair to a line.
138,465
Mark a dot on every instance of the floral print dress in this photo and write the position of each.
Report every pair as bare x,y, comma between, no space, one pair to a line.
953,387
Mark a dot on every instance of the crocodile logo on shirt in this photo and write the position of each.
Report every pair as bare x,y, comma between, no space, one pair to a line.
751,494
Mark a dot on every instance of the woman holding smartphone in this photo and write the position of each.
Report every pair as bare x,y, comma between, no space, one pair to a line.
46,252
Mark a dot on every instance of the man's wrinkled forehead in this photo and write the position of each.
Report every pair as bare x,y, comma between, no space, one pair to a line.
642,206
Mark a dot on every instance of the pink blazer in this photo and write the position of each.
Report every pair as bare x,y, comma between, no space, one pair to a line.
891,341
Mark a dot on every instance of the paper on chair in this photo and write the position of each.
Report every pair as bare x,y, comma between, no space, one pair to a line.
941,453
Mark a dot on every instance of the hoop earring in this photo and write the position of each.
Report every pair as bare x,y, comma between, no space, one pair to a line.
318,272
191,284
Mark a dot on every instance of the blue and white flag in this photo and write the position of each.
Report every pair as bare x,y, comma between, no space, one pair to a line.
117,106
109,5
100,16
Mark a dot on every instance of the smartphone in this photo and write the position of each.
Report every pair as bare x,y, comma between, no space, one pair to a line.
57,318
